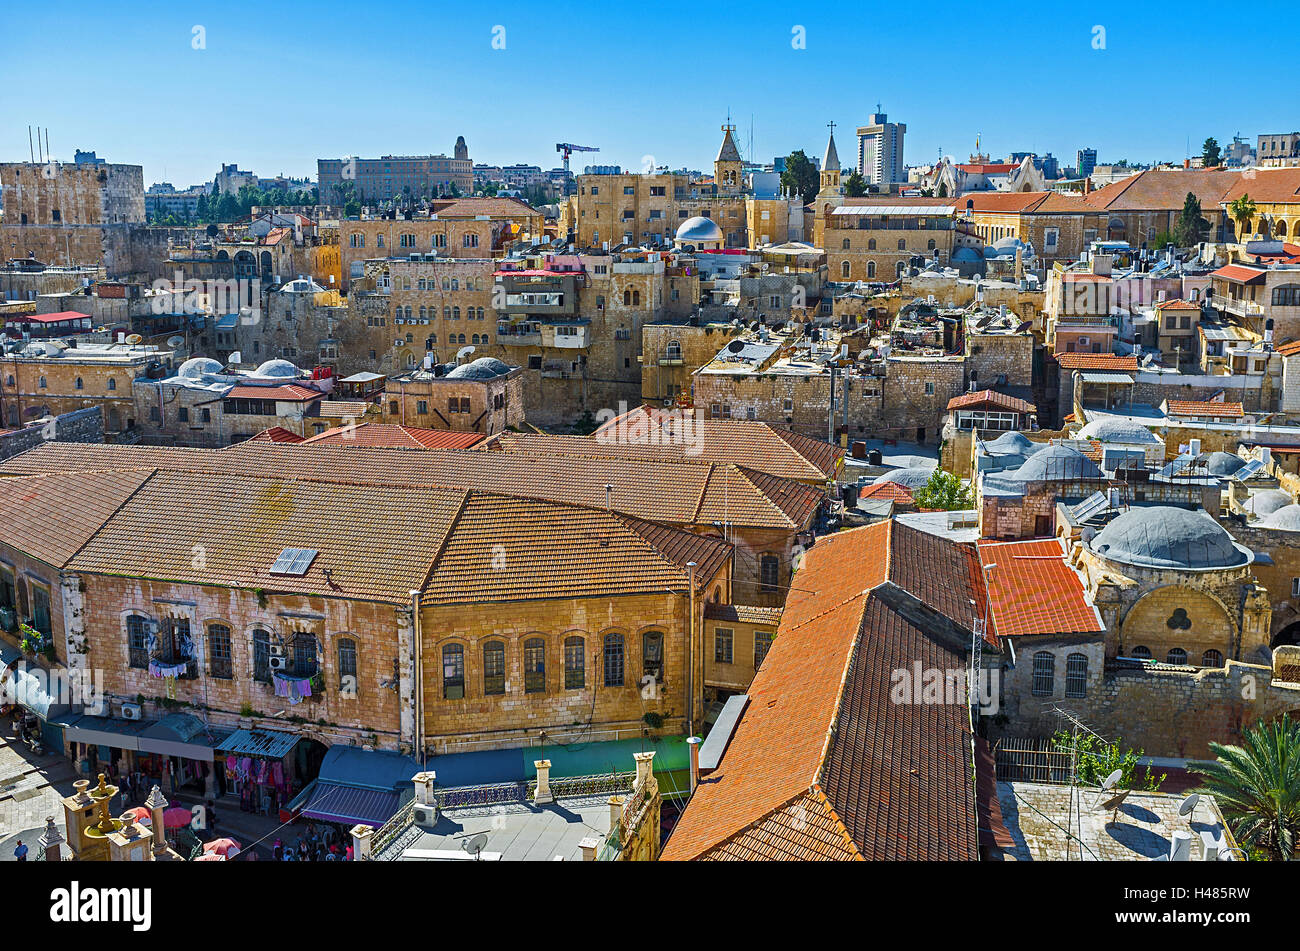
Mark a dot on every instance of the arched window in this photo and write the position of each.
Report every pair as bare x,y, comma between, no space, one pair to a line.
636,297
304,654
652,655
347,649
220,662
1044,673
1076,675
769,570
930,245
137,640
1212,658
112,383
902,244
845,244
1141,653
455,313
78,385
575,662
494,668
446,313
901,268
674,350
261,656
534,665
613,659
43,383
871,269
423,312
627,298
1176,656
453,672
871,244
844,269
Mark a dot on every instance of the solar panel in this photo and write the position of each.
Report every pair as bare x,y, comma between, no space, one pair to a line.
1248,470
1177,466
294,561
1089,507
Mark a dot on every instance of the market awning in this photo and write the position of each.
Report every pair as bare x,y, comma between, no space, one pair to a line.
181,734
332,802
105,731
1097,377
29,691
8,656
272,744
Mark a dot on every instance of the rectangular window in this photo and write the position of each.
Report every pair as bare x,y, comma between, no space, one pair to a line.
1076,675
534,666
575,663
762,644
137,639
494,668
723,643
348,667
220,661
1044,674
453,672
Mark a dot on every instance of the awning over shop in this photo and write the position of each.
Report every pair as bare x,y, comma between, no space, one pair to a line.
105,731
227,322
332,802
30,691
272,744
183,735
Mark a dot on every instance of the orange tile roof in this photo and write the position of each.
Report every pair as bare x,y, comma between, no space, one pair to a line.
1239,273
1033,591
1097,361
990,398
1178,305
394,436
1221,410
1165,190
288,392
492,207
887,491
51,517
276,434
1289,349
823,764
1267,186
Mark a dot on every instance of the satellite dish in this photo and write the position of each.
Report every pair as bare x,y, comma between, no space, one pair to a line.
134,339
736,346
475,844
1110,781
464,352
1187,805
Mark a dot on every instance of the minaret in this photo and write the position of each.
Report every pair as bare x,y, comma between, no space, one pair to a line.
727,168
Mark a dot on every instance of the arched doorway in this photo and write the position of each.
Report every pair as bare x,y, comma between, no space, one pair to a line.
1288,635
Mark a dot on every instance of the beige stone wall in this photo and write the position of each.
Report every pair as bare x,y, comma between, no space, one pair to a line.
494,405
664,377
21,389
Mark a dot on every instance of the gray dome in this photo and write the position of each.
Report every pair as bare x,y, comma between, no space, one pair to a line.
1286,519
1118,430
277,369
1014,442
1223,463
484,368
1161,536
1267,502
697,230
965,254
196,367
1056,464
911,478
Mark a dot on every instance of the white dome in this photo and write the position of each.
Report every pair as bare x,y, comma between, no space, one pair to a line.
1267,502
910,478
277,369
196,367
1118,430
699,230
1286,519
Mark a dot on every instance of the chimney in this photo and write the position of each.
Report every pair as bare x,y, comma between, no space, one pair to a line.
694,743
543,793
362,844
644,767
1210,843
424,788
589,845
1180,849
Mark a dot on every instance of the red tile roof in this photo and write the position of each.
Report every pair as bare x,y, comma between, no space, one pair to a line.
990,398
1178,305
990,168
887,492
288,392
824,765
1289,349
1236,272
1267,186
1033,591
393,436
1220,410
1165,190
275,434
1097,361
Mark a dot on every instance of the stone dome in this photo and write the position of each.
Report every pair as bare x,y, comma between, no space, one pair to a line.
196,367
1267,502
1223,463
484,368
1161,536
1286,519
699,230
1014,442
1118,430
277,369
910,478
1056,464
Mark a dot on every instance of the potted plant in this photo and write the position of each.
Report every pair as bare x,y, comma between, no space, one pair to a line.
33,641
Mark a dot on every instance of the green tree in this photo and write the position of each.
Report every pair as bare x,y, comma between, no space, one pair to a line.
944,491
352,208
1096,759
943,189
201,211
1242,210
1257,786
1190,226
855,186
801,175
1210,153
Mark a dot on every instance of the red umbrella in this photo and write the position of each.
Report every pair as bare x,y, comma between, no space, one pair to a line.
177,817
210,857
227,848
141,815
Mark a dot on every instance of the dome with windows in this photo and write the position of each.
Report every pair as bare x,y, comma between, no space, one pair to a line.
197,367
699,230
1162,536
277,370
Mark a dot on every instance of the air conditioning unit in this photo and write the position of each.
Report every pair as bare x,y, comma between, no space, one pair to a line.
131,711
425,816
279,663
277,650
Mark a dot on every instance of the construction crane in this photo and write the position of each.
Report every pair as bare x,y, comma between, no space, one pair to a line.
568,148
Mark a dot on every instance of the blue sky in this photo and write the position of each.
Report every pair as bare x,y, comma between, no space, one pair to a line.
282,84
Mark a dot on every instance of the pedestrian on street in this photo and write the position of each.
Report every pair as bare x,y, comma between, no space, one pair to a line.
20,852
277,851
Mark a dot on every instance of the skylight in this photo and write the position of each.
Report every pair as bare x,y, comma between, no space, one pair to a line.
294,561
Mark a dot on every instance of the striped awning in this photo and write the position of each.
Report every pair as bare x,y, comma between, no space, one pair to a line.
1097,377
331,802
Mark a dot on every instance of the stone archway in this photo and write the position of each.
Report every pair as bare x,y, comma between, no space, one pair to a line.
1179,617
1288,635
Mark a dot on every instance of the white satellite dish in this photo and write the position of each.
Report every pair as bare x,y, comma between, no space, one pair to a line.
1110,781
475,844
464,352
1187,805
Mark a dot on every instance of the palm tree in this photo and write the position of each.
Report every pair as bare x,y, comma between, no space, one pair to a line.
1257,785
1242,210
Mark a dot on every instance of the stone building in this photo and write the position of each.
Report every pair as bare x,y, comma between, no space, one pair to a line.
671,353
877,239
397,177
482,396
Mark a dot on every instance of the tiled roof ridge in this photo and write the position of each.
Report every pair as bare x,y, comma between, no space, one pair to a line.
849,661
638,527
752,476
814,791
450,530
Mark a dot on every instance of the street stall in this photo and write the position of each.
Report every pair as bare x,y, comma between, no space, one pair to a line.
180,748
356,786
265,768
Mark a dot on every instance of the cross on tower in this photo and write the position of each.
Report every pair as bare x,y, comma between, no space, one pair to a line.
832,127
